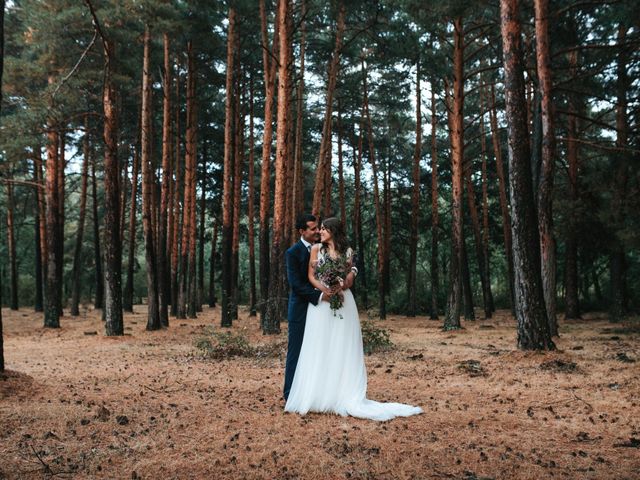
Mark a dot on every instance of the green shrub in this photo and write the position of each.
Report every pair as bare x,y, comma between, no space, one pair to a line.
224,344
375,339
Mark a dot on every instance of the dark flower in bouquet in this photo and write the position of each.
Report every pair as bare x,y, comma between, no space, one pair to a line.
332,272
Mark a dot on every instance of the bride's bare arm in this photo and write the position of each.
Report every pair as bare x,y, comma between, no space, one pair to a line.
313,261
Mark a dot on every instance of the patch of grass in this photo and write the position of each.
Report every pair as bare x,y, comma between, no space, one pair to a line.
375,339
227,344
220,345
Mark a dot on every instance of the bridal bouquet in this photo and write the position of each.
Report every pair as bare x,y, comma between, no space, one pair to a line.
332,272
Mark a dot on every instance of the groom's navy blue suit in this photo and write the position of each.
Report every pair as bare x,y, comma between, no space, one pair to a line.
301,293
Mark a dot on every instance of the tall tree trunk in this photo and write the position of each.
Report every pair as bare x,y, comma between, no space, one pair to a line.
75,288
267,138
485,207
11,245
128,289
2,4
467,291
251,210
164,285
192,156
504,203
341,194
456,127
435,217
238,152
376,194
175,209
61,214
545,189
387,229
572,308
477,235
201,240
277,296
533,328
52,295
323,171
97,251
41,235
226,318
412,286
617,265
153,313
357,216
298,166
212,265
113,257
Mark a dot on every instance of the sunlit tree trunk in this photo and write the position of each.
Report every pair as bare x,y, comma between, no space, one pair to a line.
545,188
454,304
75,288
277,296
226,318
533,328
52,295
323,171
415,204
164,288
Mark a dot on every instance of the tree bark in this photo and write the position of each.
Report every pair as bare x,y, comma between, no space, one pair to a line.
357,216
341,193
545,188
617,265
212,265
226,318
238,153
572,308
467,291
277,297
52,295
11,245
435,218
251,211
298,166
504,203
267,136
128,289
456,127
41,232
113,257
175,208
201,240
412,286
75,289
485,206
97,251
153,312
323,172
376,196
192,158
164,283
533,327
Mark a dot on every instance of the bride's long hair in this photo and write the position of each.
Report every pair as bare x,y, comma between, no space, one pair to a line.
340,240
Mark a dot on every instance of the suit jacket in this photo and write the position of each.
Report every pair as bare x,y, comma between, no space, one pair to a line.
301,292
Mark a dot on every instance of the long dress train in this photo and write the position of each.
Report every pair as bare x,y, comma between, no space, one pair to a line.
331,375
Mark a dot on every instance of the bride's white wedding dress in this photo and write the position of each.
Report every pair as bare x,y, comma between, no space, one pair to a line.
331,375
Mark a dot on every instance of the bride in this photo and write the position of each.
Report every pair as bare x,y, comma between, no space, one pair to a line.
331,375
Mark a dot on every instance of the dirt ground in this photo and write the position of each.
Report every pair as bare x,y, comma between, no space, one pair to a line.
76,404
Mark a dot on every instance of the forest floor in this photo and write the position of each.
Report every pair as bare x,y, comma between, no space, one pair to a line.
77,404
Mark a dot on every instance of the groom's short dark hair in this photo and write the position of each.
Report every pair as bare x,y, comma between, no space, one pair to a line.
303,218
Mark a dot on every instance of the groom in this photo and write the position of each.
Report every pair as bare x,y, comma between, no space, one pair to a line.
301,291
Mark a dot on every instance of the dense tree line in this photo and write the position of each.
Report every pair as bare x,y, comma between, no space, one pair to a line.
477,152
